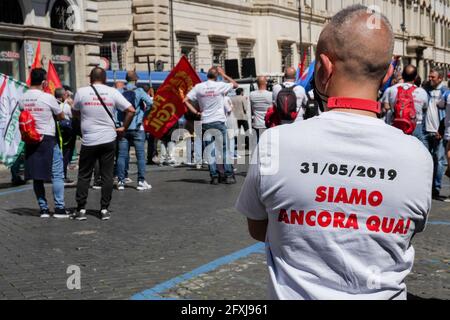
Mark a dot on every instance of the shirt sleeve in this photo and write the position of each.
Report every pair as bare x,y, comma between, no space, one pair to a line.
424,99
276,90
54,105
120,102
249,202
146,98
224,88
301,97
77,102
192,95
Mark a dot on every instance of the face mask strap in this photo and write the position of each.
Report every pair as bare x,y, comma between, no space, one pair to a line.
321,98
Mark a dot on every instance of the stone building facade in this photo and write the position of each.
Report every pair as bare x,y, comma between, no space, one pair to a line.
78,33
67,29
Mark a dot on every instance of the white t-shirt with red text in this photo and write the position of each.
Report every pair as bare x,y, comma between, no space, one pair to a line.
343,201
210,96
42,107
97,127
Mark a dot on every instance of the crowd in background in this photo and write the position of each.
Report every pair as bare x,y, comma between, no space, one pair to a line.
217,104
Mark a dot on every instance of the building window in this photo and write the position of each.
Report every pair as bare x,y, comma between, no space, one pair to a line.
105,53
62,16
286,55
246,49
188,47
219,51
62,58
10,12
10,58
245,52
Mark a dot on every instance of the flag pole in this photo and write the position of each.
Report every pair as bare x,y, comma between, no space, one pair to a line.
149,69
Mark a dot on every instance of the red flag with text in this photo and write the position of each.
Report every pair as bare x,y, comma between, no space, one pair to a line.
53,81
36,63
168,104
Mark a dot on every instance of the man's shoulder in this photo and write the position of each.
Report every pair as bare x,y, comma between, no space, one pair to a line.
47,97
299,90
83,90
421,91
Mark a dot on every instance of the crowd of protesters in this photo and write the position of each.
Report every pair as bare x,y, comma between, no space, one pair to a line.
110,130
109,121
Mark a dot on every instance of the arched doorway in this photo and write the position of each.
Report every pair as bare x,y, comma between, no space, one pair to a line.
11,12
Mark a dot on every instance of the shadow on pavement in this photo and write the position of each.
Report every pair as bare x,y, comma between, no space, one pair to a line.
198,181
31,212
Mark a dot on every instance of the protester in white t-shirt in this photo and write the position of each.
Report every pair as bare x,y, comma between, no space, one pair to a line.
43,161
95,105
434,140
289,81
420,98
210,96
333,197
260,102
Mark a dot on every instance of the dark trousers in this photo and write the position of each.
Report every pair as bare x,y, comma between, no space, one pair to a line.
244,123
89,155
68,148
151,147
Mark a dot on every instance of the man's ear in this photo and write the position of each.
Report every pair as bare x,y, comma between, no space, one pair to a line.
325,69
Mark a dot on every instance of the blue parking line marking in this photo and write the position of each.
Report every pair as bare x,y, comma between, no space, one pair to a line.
4,193
439,223
154,293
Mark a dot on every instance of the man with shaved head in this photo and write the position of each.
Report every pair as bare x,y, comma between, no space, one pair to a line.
289,83
260,102
332,196
95,106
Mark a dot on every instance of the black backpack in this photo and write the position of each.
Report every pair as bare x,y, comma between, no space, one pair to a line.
312,108
286,103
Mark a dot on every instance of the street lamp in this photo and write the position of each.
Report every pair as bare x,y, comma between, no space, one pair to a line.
172,40
300,27
403,27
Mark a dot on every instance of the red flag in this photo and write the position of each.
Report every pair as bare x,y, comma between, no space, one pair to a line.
303,63
53,81
168,104
36,63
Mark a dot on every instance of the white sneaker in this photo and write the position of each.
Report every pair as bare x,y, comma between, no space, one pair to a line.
143,185
171,161
199,166
155,160
121,186
127,180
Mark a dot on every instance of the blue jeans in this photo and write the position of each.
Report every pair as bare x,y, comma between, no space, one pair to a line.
437,150
420,133
57,183
136,138
218,130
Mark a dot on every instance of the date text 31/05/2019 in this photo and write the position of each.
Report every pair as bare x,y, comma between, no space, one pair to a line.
348,170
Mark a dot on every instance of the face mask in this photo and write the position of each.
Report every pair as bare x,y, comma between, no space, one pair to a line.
322,99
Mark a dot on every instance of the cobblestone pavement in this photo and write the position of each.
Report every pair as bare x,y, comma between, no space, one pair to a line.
155,236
